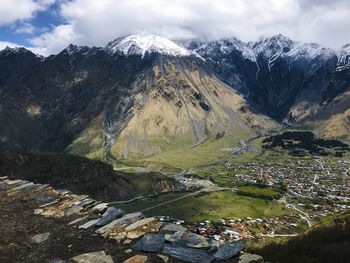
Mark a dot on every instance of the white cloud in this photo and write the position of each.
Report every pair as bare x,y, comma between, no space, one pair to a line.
91,22
54,41
25,28
4,44
14,10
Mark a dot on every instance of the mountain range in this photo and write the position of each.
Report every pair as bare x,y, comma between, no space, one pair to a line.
145,97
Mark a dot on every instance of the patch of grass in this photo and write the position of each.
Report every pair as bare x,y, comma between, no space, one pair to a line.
208,152
213,206
260,192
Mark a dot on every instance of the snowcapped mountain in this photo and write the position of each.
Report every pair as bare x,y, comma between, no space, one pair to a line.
108,97
219,47
143,44
343,58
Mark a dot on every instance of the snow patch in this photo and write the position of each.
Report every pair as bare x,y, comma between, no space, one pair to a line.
143,44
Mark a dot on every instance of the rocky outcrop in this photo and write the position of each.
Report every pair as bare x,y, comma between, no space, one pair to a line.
149,235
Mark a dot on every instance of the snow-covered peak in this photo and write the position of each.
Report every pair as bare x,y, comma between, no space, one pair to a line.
343,56
72,50
270,46
9,50
219,47
280,45
346,48
142,44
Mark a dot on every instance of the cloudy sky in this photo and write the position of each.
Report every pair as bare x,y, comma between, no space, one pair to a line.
48,26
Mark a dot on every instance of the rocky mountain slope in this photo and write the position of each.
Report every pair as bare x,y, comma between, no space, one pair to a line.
287,80
142,95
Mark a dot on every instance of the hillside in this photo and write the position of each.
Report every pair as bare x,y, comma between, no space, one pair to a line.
333,121
175,105
83,176
325,243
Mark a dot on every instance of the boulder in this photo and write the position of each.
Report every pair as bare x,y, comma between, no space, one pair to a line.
110,214
136,259
93,257
38,211
150,243
228,250
188,239
40,238
250,258
173,228
187,254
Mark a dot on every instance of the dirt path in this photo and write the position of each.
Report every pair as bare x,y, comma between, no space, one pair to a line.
302,214
170,201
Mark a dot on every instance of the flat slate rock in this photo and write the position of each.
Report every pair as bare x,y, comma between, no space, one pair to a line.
99,208
40,187
250,258
43,198
125,220
173,228
17,182
24,186
140,223
57,260
89,224
93,257
37,239
229,250
78,220
188,239
136,259
73,210
187,254
150,243
86,202
111,214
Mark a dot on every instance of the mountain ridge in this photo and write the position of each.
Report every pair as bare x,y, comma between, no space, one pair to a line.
140,101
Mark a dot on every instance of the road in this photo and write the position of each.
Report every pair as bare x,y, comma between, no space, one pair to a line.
302,214
279,235
171,201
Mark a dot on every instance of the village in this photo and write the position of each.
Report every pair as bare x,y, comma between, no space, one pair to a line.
314,189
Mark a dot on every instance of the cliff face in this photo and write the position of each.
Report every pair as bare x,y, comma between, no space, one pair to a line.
47,105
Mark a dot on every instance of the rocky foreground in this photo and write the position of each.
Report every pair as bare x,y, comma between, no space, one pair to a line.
41,224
